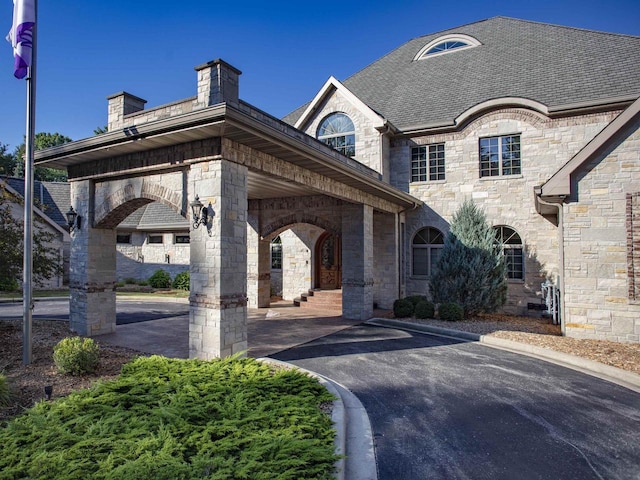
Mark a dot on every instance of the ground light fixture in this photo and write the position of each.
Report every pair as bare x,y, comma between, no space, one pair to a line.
48,391
73,219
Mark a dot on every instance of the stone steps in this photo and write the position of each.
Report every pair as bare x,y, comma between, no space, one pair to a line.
321,299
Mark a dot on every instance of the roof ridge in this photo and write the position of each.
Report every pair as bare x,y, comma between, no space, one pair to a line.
567,27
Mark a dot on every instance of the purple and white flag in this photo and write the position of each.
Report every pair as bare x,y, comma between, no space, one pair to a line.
21,35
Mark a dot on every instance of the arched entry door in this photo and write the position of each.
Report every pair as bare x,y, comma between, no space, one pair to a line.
328,262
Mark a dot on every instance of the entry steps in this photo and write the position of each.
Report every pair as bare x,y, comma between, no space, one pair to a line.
320,299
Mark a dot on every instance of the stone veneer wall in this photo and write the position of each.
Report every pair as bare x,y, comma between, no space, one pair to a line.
598,303
369,142
298,244
546,145
140,259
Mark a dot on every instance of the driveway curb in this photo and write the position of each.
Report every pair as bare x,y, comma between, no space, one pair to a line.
354,437
612,374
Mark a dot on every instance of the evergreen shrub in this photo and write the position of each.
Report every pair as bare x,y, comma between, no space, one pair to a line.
181,282
4,391
402,308
178,419
160,279
76,356
451,312
415,299
471,269
424,309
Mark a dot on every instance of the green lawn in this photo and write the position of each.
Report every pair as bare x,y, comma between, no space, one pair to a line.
171,419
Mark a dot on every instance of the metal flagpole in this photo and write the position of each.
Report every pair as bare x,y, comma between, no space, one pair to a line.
27,294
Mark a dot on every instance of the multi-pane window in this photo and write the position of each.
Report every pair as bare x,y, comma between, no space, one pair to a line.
513,251
178,239
338,132
155,239
276,253
500,156
427,247
427,163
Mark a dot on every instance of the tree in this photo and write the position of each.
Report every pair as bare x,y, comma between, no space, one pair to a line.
7,161
471,270
42,140
46,258
101,130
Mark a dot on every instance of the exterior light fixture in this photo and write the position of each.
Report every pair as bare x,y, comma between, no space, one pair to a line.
73,219
199,213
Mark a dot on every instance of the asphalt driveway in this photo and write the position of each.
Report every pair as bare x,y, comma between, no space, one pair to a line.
445,409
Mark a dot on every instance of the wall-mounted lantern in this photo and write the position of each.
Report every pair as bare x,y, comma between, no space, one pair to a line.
73,219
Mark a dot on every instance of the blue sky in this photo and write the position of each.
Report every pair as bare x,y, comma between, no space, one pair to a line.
286,50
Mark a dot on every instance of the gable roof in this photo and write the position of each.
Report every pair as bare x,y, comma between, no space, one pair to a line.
559,185
330,86
15,186
51,198
558,67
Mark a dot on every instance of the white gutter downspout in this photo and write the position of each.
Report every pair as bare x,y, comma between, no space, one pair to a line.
559,206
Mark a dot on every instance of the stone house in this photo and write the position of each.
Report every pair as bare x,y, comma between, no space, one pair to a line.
529,121
47,217
354,191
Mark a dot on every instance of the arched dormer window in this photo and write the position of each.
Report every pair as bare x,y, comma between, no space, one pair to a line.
446,44
337,131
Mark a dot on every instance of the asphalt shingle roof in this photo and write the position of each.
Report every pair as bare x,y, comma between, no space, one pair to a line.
551,64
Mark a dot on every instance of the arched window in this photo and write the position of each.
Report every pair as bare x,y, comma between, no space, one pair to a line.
513,251
446,44
426,249
276,253
338,132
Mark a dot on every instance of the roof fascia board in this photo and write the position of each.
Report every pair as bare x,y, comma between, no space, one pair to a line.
39,212
188,121
560,182
332,84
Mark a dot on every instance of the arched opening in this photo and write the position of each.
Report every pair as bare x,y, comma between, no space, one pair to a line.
328,260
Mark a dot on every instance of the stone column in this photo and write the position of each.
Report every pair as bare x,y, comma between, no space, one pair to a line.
218,82
357,261
218,299
258,266
386,262
92,269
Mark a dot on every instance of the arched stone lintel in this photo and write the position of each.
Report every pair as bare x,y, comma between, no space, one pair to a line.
118,206
279,225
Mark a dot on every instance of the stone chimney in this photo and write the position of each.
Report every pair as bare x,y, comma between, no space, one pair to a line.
217,83
121,104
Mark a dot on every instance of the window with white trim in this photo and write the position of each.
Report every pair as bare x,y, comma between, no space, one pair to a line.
426,249
181,238
446,44
427,163
276,253
513,251
338,132
500,156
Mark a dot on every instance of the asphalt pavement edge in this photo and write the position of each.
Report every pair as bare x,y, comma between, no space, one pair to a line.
354,437
615,375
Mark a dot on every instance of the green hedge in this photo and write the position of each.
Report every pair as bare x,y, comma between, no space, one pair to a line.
76,356
178,419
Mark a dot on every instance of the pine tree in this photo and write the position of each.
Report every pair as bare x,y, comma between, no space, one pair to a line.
471,269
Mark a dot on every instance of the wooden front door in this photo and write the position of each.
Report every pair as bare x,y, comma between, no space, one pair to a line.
328,262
